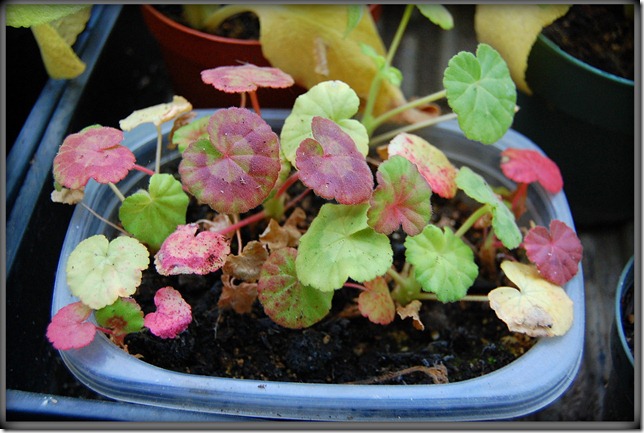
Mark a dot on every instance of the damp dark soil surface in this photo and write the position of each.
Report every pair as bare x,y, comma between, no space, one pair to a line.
460,341
600,35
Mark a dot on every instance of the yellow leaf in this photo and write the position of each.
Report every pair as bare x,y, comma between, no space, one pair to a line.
512,30
538,309
61,62
156,114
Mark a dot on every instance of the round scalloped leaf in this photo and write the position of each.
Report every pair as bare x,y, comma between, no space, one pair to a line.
152,215
100,271
173,314
123,317
527,166
340,245
376,303
235,170
402,198
503,221
443,263
437,14
481,92
431,162
285,299
93,153
184,253
556,253
193,131
68,328
330,164
156,114
539,308
246,78
334,100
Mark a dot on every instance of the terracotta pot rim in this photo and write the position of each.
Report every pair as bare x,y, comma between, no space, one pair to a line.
180,27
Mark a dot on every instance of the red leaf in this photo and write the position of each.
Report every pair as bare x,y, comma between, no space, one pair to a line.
527,166
245,78
556,254
173,314
184,253
376,303
68,328
332,166
95,153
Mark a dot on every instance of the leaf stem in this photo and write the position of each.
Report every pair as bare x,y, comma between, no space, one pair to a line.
469,222
143,169
411,104
413,127
469,298
118,193
255,102
355,286
109,223
157,163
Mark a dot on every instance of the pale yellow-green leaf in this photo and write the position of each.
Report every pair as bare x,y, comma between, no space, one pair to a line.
156,114
27,15
512,30
61,62
538,308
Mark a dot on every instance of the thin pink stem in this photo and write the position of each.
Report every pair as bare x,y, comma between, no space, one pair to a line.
287,184
355,286
255,102
143,169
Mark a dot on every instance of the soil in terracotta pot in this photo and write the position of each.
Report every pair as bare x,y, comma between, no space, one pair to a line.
600,35
460,341
239,26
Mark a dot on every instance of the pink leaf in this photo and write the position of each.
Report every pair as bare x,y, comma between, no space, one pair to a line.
95,153
527,166
556,254
184,253
332,166
376,303
68,328
245,78
173,314
431,162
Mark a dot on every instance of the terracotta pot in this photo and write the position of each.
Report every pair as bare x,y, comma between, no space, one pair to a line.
187,52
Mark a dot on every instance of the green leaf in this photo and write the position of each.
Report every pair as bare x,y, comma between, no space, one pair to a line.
285,299
402,198
443,263
27,15
340,245
503,221
437,14
391,73
123,317
376,303
193,131
100,271
152,216
354,15
481,92
333,100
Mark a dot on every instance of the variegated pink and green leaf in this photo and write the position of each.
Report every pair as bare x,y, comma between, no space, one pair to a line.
246,78
234,170
193,131
122,317
402,198
331,165
376,303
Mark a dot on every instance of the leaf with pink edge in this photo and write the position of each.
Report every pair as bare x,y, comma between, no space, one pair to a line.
527,166
236,168
376,303
93,153
193,131
68,328
285,299
173,314
402,198
331,165
246,78
122,317
431,162
556,253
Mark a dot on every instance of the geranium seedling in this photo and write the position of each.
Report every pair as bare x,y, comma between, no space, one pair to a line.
173,314
376,303
443,263
69,329
193,131
122,317
527,166
236,168
246,78
331,165
430,161
93,153
333,100
183,252
556,253
100,271
539,308
152,215
339,245
402,198
286,300
481,92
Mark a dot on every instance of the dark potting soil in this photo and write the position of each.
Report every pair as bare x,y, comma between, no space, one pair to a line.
460,341
600,35
240,26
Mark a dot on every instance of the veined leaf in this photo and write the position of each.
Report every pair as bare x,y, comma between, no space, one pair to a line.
527,166
123,317
193,131
245,78
376,303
